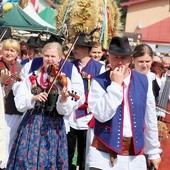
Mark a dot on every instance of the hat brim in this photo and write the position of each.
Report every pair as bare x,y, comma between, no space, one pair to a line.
84,45
32,45
121,54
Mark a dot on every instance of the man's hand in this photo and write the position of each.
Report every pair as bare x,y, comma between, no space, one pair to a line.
155,162
117,75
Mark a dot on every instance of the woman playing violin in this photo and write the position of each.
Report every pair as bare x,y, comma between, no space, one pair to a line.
41,141
9,69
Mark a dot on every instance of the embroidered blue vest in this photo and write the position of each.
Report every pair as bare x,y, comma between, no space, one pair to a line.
23,62
110,133
37,63
93,68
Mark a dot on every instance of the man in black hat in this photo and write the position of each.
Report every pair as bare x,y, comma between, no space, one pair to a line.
32,51
78,121
123,105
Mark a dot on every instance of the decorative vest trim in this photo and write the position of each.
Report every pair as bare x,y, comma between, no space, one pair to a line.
93,68
110,133
23,62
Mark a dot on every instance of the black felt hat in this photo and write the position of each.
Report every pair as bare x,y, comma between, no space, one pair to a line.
85,40
120,46
56,38
32,42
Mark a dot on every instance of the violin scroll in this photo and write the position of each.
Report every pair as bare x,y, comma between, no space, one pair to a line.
74,95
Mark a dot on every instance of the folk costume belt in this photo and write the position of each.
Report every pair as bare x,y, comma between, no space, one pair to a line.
127,148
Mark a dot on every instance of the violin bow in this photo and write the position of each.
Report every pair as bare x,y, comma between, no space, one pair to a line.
69,51
3,33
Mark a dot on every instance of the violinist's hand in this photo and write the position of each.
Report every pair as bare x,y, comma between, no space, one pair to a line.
64,95
5,75
155,162
117,75
41,97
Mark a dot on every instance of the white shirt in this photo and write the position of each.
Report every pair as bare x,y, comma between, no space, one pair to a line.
81,123
127,129
23,98
104,104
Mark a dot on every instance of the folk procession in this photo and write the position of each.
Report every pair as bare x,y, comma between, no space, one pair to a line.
79,95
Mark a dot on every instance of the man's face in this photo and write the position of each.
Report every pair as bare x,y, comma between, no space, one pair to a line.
31,51
118,61
79,51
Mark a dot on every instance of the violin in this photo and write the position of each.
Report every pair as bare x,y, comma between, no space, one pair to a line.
57,71
3,66
61,80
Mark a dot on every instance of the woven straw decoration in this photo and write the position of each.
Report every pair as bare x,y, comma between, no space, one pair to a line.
87,15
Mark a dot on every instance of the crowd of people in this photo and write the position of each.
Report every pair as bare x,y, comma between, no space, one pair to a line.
100,103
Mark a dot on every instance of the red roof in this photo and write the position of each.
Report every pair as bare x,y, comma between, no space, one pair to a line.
158,32
133,2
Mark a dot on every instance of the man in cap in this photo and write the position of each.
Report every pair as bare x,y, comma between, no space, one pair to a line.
123,105
88,68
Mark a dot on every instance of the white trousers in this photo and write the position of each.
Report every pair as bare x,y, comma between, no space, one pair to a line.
101,160
89,140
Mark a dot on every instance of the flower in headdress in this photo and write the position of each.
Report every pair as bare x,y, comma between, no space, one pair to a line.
88,39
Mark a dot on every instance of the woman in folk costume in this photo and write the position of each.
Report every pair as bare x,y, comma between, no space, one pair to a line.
41,141
142,60
3,143
10,70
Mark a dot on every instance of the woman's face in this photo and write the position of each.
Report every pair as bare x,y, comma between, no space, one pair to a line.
51,57
9,55
96,53
143,64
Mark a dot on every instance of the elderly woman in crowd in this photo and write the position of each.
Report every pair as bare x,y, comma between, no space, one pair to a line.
10,69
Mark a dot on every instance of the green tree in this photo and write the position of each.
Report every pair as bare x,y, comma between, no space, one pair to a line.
123,12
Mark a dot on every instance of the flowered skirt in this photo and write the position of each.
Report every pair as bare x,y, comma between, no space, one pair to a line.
40,144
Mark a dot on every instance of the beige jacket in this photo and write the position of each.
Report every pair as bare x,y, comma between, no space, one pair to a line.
2,128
